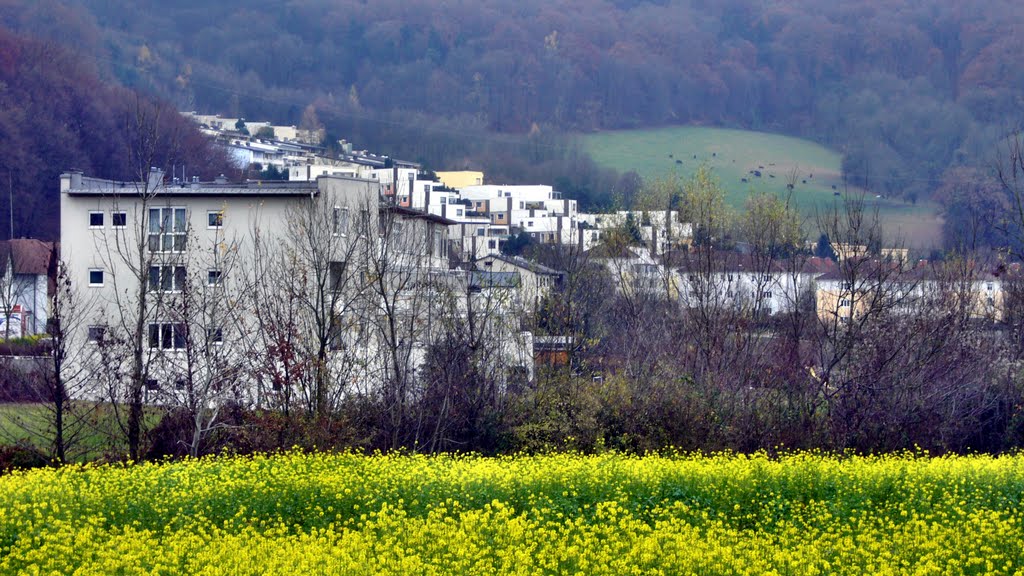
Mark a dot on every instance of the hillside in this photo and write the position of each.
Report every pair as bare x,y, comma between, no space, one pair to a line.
904,90
747,161
57,113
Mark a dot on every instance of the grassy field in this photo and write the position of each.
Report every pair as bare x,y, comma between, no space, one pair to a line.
736,155
93,428
555,514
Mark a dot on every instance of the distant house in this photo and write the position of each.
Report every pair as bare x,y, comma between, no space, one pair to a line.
25,272
744,282
854,289
461,179
536,281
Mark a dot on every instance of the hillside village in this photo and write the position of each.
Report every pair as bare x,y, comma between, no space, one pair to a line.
359,275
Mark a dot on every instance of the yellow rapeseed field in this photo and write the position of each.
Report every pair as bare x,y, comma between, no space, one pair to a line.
554,514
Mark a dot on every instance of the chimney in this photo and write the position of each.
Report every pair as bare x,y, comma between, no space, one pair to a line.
156,179
76,179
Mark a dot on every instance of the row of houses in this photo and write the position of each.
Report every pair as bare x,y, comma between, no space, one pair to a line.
837,291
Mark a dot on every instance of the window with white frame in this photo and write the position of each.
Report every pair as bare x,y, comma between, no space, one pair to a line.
844,302
215,336
215,219
167,336
95,219
119,219
214,277
167,278
339,221
95,277
168,229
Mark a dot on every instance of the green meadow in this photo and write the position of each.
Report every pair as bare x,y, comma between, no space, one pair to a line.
746,161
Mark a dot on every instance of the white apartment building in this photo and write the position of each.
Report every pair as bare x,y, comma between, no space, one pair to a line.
223,276
129,242
537,210
660,230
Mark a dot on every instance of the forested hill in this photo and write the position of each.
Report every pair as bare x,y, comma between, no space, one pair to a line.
906,89
56,114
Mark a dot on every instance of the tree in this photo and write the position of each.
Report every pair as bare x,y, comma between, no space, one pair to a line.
307,283
58,383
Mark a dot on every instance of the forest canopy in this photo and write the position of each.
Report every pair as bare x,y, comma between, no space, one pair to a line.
907,91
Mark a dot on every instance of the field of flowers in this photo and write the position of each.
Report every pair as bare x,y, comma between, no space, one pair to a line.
608,514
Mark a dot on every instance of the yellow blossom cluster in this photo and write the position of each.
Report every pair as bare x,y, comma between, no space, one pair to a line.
295,513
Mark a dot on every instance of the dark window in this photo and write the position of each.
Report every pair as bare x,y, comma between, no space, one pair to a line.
96,333
119,219
215,335
95,219
167,336
167,278
95,277
152,384
336,275
215,219
213,277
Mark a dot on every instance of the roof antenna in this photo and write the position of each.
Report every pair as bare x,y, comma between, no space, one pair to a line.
10,199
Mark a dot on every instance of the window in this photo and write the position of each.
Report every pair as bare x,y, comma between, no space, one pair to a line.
95,277
96,333
152,384
989,286
766,294
336,276
844,302
458,212
492,244
215,219
481,231
339,221
119,219
438,242
95,219
766,277
167,278
213,277
167,336
167,229
215,336
396,232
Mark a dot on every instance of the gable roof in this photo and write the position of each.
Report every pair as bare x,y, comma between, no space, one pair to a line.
27,256
523,263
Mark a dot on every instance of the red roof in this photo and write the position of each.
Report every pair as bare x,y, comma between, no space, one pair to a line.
27,255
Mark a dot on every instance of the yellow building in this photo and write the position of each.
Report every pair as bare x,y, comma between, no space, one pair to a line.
841,296
461,179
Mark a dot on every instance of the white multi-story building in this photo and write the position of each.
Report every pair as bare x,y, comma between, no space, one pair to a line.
659,230
293,281
537,210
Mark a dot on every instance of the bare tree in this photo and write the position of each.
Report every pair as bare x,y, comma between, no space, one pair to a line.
305,286
57,383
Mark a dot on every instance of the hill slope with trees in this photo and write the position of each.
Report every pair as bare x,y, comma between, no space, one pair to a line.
907,91
57,113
